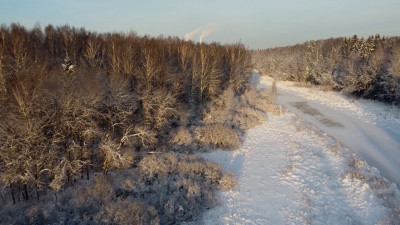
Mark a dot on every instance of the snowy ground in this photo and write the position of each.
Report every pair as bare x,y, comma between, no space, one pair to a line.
369,128
290,172
365,110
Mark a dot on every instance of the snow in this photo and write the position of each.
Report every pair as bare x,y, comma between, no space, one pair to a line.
366,110
291,172
369,128
256,170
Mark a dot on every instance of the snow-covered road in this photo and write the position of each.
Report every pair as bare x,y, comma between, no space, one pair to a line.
377,144
290,172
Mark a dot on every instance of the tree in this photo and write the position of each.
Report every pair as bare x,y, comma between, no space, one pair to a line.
115,157
74,122
26,155
93,55
3,89
238,65
18,49
74,101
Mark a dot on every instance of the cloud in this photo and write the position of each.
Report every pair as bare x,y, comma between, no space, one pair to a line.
201,32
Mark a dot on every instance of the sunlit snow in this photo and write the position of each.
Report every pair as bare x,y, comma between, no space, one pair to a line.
291,171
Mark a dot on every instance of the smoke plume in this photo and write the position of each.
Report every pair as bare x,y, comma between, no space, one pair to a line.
192,34
207,31
203,31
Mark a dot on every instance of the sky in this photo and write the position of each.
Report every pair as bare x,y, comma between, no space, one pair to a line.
258,24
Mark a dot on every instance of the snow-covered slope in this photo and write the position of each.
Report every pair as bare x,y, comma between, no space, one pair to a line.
290,172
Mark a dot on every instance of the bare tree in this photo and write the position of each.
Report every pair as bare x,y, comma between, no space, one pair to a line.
159,106
115,157
152,66
26,156
123,95
207,73
74,122
94,52
120,104
239,63
3,89
129,55
18,49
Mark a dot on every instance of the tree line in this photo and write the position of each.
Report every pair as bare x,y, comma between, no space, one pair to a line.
74,101
364,67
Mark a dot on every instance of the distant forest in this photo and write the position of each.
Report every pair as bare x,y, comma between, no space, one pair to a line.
368,68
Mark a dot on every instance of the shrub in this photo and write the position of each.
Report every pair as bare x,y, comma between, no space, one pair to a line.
244,111
227,181
154,165
262,100
218,135
247,117
182,137
124,211
35,215
165,188
179,186
115,157
258,99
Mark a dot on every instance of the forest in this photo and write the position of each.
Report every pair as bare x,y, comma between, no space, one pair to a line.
362,67
100,128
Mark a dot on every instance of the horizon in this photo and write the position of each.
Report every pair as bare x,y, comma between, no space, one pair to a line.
256,24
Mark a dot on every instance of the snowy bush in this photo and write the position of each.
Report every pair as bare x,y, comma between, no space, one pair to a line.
127,211
154,165
182,137
247,117
218,135
164,189
228,181
241,112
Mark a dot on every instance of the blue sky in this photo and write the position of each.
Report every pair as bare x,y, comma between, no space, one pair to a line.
255,23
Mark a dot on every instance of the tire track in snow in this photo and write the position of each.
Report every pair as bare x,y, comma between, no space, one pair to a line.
326,194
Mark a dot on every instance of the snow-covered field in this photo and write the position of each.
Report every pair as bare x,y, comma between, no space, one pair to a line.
290,172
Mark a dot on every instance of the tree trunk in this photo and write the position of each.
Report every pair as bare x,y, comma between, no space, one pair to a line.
87,172
82,143
19,193
68,177
12,194
68,174
26,192
37,186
